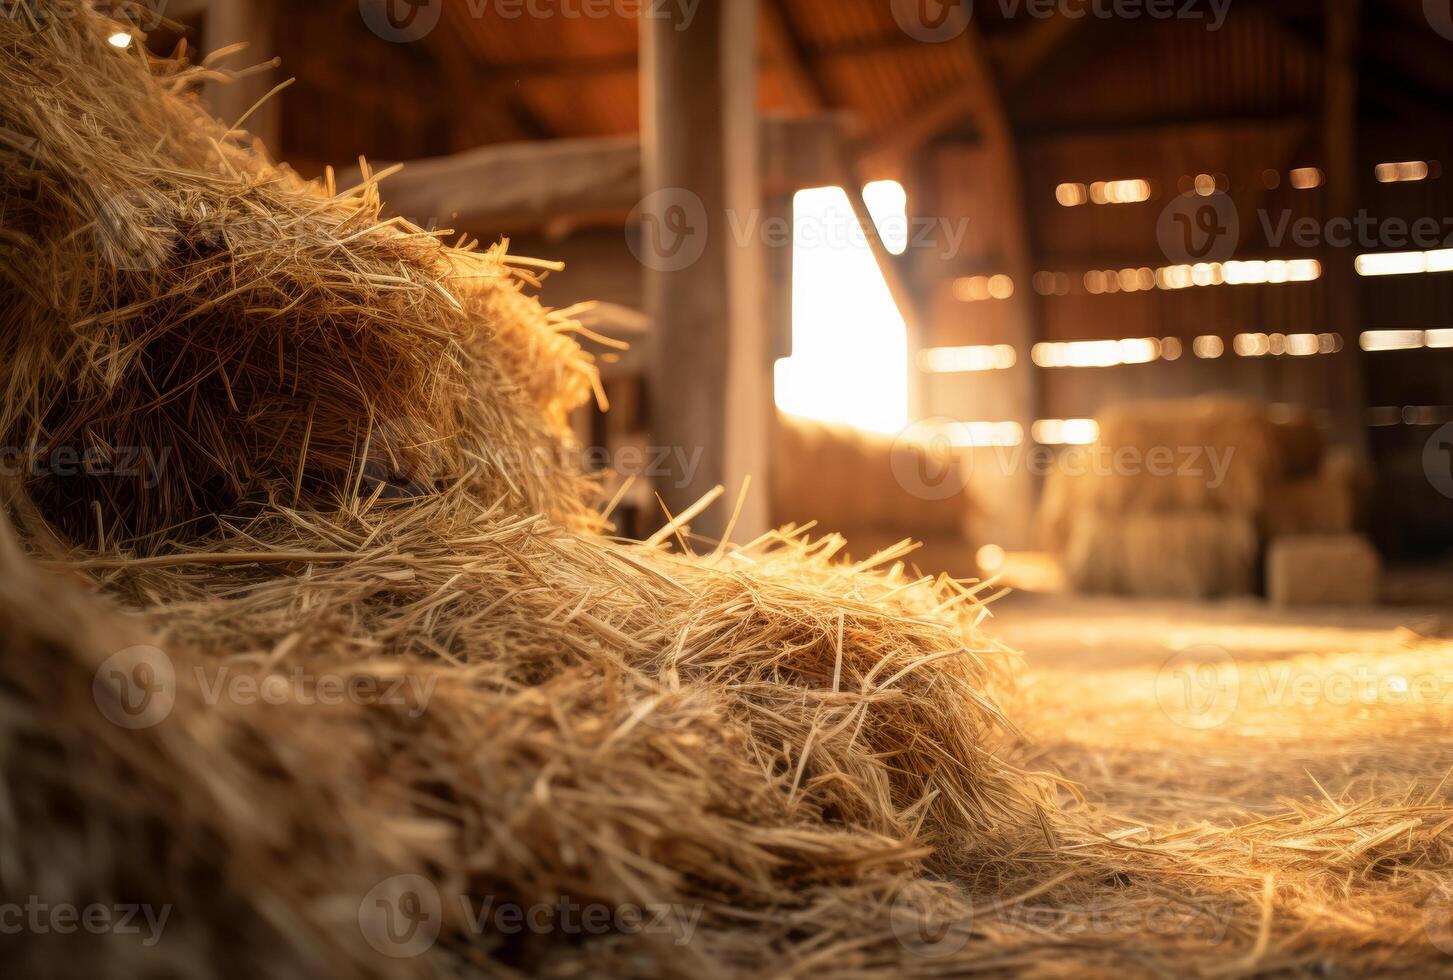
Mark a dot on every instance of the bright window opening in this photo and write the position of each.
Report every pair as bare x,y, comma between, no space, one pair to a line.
849,360
888,205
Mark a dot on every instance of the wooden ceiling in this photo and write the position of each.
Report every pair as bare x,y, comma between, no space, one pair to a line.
481,78
488,79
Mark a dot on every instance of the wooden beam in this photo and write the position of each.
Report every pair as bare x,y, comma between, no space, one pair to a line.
1170,126
794,60
515,187
1013,493
1033,48
709,379
969,100
1347,371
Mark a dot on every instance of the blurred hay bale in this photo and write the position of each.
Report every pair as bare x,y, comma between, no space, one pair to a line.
1323,569
1063,499
850,480
1185,554
1329,502
1208,453
1170,499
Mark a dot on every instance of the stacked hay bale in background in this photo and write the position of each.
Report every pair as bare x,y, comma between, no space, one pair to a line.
1189,554
1177,497
874,490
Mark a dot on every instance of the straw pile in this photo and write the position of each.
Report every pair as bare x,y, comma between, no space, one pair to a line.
1173,498
800,762
232,338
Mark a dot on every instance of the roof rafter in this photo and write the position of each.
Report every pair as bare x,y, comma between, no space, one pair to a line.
797,62
972,100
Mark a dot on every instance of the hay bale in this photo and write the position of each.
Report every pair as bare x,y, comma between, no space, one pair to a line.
246,833
850,480
1193,555
1209,453
1064,497
183,335
1330,502
1143,511
1323,570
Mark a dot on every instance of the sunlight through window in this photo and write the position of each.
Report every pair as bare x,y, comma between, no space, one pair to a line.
849,360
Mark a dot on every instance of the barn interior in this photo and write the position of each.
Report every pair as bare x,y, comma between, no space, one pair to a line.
1030,239
871,487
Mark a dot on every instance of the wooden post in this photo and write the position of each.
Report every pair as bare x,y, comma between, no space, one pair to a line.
250,22
709,379
1347,370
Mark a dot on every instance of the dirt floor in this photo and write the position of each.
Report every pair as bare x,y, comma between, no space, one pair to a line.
1197,710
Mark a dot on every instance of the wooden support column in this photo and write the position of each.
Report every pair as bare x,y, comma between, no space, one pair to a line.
1007,487
251,22
709,379
1347,370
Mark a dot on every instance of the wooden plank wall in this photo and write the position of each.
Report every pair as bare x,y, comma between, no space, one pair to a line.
1411,519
